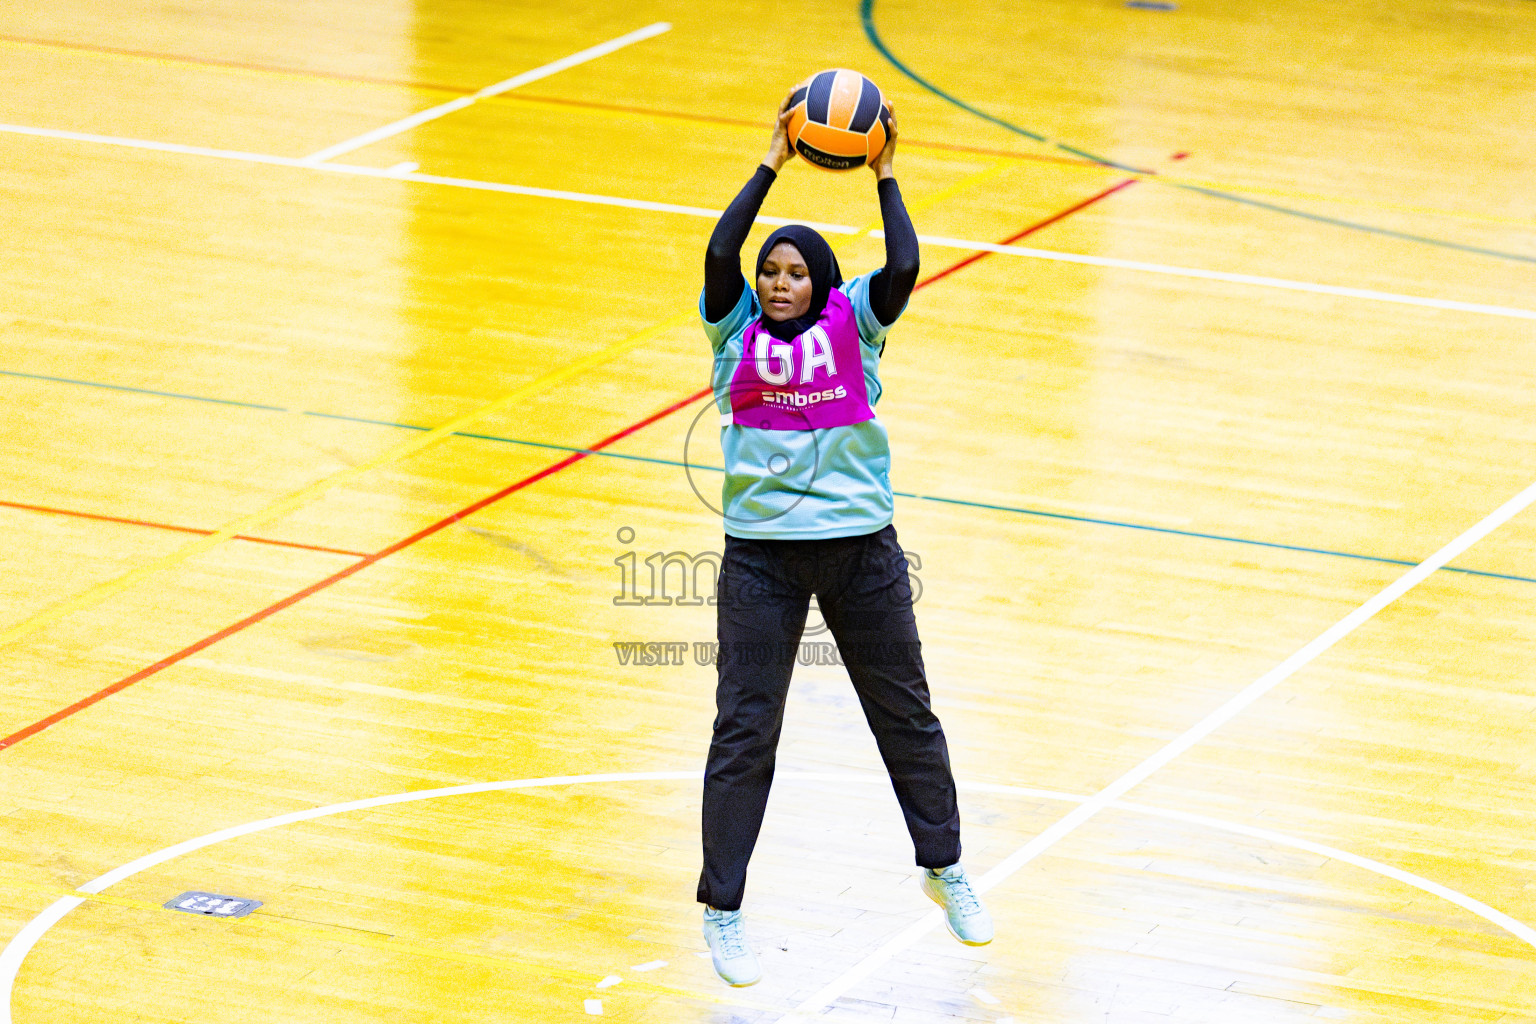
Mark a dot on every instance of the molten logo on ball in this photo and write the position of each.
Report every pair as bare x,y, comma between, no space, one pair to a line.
838,120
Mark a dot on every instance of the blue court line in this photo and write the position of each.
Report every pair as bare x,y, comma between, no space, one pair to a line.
363,419
1210,536
867,14
961,502
1038,513
143,391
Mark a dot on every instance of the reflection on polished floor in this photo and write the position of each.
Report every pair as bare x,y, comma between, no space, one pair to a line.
347,422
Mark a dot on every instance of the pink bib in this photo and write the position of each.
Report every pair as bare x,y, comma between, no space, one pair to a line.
813,382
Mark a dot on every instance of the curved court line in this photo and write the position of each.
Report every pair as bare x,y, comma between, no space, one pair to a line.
912,495
15,952
1178,746
839,229
369,940
616,109
867,16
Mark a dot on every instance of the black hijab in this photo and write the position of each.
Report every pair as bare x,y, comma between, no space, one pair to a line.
825,275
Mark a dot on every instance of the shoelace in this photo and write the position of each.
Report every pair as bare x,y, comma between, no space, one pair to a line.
960,892
733,939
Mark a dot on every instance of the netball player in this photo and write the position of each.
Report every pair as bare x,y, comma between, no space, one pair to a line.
808,507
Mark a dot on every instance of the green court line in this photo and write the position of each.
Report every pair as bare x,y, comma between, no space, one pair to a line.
961,502
142,391
867,15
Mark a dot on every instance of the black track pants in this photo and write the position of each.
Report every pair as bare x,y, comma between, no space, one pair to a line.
764,593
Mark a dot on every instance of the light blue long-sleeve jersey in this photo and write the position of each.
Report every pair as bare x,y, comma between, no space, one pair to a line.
802,484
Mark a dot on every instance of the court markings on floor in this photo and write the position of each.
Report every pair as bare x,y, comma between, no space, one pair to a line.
174,528
578,454
405,124
1039,513
298,499
303,496
1086,809
104,591
1182,744
866,13
1098,801
107,589
618,110
1049,255
17,950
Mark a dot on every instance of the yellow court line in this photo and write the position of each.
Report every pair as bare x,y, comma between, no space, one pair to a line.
964,184
926,202
1081,167
266,922
93,596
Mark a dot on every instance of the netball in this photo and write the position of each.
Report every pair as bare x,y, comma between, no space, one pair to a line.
524,548
839,120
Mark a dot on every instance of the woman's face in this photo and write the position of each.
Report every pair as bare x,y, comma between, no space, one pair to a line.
784,283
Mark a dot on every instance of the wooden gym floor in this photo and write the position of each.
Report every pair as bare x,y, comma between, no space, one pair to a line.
330,448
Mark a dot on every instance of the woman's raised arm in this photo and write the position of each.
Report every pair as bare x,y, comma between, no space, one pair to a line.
722,260
892,286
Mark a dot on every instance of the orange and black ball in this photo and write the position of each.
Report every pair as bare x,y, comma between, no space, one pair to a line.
838,120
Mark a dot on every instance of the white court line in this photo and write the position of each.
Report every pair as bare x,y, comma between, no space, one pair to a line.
163,147
433,113
394,175
840,229
17,949
1221,275
1519,930
576,197
1079,815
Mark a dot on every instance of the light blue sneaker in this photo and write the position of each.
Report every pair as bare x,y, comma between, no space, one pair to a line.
964,915
726,934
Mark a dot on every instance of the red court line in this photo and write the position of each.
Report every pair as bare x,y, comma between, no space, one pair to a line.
400,545
178,529
1052,219
336,577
